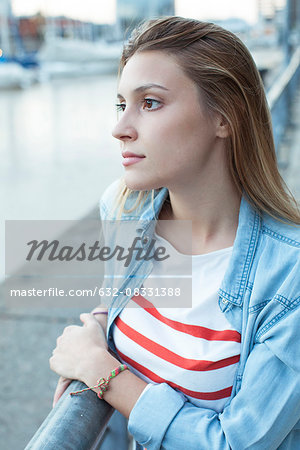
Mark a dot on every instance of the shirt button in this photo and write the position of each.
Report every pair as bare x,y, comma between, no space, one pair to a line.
145,239
224,301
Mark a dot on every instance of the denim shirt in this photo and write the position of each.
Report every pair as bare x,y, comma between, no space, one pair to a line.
260,296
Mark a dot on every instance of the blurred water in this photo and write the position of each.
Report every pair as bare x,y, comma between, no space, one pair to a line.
56,149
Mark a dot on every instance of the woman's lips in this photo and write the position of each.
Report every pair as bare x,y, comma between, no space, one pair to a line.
131,158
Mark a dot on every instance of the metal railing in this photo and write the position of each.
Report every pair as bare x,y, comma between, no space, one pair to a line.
76,422
280,97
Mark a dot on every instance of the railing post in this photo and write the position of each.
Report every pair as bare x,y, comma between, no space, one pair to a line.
280,94
77,422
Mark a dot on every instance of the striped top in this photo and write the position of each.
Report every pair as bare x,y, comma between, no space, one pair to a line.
195,350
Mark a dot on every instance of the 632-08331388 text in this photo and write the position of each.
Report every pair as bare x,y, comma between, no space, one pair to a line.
97,292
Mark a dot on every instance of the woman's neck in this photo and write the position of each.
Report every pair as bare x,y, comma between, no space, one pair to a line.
208,216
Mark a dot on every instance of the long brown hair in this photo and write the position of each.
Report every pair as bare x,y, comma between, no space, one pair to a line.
223,68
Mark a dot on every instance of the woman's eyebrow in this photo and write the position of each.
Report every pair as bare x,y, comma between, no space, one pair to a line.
145,87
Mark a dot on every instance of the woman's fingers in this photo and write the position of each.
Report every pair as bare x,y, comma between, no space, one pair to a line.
62,385
88,320
100,309
100,314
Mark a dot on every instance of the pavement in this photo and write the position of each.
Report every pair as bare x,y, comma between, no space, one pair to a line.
28,335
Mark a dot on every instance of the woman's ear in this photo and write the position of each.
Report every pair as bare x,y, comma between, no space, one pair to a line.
223,129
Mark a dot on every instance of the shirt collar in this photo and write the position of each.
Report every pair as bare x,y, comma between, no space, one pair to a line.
236,277
249,224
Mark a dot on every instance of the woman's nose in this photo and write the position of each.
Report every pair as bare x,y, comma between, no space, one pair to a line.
124,131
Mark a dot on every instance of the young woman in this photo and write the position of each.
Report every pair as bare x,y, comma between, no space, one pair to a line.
196,139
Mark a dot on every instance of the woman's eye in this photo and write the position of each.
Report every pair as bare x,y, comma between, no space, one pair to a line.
120,107
151,104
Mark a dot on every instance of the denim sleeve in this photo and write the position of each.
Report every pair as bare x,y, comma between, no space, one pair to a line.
260,416
103,210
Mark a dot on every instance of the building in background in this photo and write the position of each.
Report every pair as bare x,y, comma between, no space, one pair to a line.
19,35
267,9
271,22
5,16
280,19
132,12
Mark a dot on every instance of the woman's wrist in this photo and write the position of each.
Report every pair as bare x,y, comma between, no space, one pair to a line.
98,364
123,391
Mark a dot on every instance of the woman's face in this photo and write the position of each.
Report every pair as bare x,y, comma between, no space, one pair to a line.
163,121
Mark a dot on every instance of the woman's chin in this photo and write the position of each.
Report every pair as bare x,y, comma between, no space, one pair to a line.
137,184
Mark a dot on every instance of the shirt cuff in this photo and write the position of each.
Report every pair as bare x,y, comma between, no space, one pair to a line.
145,390
152,414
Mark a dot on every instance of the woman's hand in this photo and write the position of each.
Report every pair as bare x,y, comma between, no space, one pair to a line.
78,349
100,314
82,354
62,385
63,382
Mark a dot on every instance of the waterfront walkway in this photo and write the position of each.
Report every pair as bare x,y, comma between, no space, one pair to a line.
28,337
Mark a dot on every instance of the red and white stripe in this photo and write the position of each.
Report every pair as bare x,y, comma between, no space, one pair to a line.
178,346
198,361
